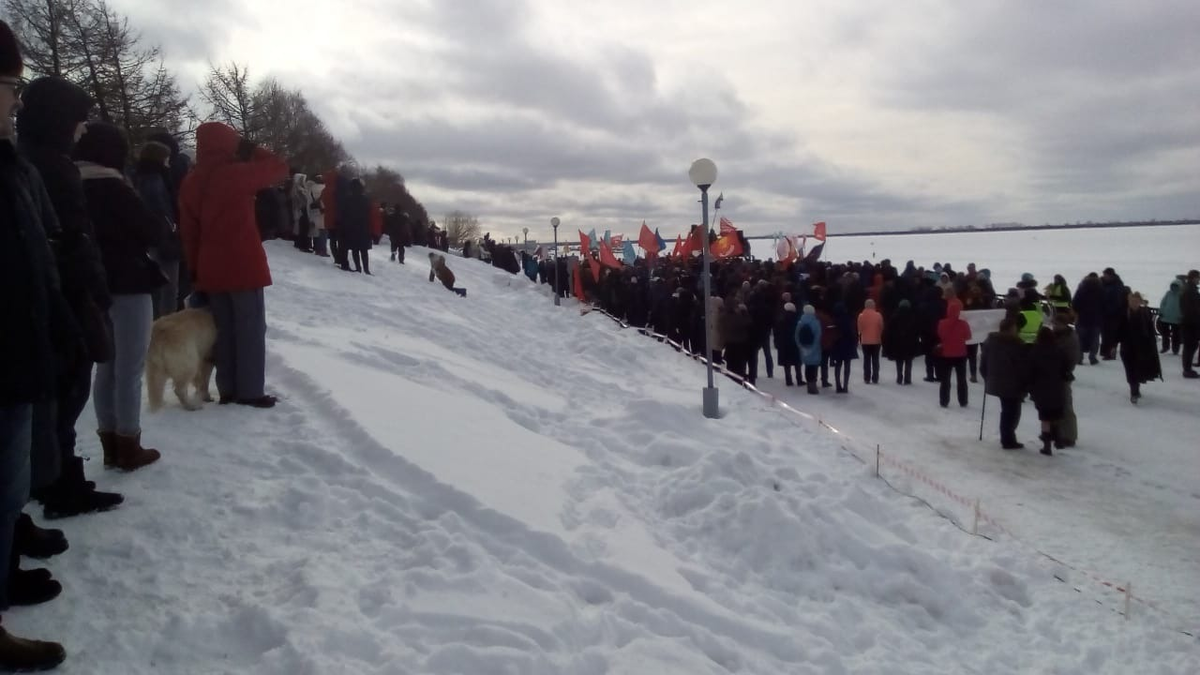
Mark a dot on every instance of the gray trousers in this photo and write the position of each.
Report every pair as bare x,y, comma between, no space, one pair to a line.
16,439
1068,426
117,391
241,349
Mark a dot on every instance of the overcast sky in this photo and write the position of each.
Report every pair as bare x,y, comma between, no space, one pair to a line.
861,113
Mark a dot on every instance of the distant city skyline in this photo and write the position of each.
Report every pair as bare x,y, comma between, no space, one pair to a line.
865,114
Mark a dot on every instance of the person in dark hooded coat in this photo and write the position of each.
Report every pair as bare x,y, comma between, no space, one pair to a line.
844,349
49,123
787,350
357,227
1049,372
1139,346
902,340
151,178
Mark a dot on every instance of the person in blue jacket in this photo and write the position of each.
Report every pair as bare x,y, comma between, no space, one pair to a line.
808,339
1170,315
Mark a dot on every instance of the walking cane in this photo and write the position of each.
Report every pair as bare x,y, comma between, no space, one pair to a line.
982,412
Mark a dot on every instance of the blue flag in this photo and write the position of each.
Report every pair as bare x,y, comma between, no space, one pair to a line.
592,238
628,253
662,244
608,237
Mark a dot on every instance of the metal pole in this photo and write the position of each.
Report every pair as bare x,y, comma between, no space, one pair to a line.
557,281
711,407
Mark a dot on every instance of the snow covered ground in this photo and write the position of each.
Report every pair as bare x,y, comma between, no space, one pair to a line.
468,485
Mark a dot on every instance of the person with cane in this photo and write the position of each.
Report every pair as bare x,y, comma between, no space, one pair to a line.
1004,365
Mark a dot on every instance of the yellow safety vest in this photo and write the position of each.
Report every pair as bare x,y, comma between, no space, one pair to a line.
1033,322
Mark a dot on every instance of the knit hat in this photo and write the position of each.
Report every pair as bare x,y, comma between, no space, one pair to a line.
156,152
789,307
809,309
870,304
11,63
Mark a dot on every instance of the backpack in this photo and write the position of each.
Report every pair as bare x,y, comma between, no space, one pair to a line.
806,336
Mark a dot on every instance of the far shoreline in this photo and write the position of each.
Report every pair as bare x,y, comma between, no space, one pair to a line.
1001,228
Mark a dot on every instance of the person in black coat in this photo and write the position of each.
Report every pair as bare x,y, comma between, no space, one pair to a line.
844,349
1049,373
396,224
787,350
1088,304
52,118
1116,299
1139,346
902,340
354,228
152,178
1004,366
126,231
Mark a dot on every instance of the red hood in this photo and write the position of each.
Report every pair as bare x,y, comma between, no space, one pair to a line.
215,143
953,312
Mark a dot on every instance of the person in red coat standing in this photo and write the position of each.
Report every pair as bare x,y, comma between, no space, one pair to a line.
225,254
953,334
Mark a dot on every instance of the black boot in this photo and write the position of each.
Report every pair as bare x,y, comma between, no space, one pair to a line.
71,496
787,379
36,542
31,587
1047,439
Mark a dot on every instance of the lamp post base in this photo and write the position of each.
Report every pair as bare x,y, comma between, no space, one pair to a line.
557,300
710,403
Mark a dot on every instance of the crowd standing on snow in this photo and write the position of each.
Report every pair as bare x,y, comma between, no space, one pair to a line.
99,243
818,314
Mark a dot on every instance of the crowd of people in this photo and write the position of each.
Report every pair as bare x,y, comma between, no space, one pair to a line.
817,315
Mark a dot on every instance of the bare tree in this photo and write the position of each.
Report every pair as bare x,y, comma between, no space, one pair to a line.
460,227
43,28
228,90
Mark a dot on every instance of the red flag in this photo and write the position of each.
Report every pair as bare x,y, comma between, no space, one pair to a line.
727,246
648,241
579,283
727,226
585,250
819,231
585,244
677,252
595,267
607,257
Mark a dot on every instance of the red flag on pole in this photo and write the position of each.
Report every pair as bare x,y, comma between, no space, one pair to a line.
648,241
727,246
607,257
585,244
677,252
819,231
727,226
576,269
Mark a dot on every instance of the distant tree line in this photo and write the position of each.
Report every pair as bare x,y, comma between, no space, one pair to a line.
96,47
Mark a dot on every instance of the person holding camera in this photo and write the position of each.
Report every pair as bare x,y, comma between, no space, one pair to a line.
225,254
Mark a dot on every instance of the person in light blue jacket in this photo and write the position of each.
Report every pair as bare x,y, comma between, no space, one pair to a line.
808,339
1170,315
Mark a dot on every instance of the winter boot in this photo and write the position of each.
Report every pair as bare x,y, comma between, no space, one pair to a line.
260,402
108,442
19,655
1047,439
36,542
787,378
131,456
71,494
31,587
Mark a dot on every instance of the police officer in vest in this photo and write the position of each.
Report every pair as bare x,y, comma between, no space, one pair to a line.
1029,318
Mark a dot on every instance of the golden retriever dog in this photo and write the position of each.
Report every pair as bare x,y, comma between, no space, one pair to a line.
181,346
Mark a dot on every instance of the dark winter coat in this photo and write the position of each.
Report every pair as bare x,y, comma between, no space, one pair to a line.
152,182
125,231
438,269
845,346
735,328
220,240
31,303
1004,364
1048,374
901,335
785,342
1089,303
46,127
354,219
1189,306
1139,346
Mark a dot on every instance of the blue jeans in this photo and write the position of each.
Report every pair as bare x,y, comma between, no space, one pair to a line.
16,438
117,392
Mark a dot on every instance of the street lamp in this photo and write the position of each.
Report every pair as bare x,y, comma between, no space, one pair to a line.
703,174
554,224
526,231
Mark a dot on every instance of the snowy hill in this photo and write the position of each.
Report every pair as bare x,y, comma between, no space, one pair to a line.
467,485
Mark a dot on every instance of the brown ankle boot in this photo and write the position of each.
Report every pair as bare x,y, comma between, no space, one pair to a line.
21,655
131,456
108,442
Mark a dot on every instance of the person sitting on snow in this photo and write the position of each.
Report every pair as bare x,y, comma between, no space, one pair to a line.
438,268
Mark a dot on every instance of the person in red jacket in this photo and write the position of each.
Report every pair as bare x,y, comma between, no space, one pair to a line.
953,334
225,254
